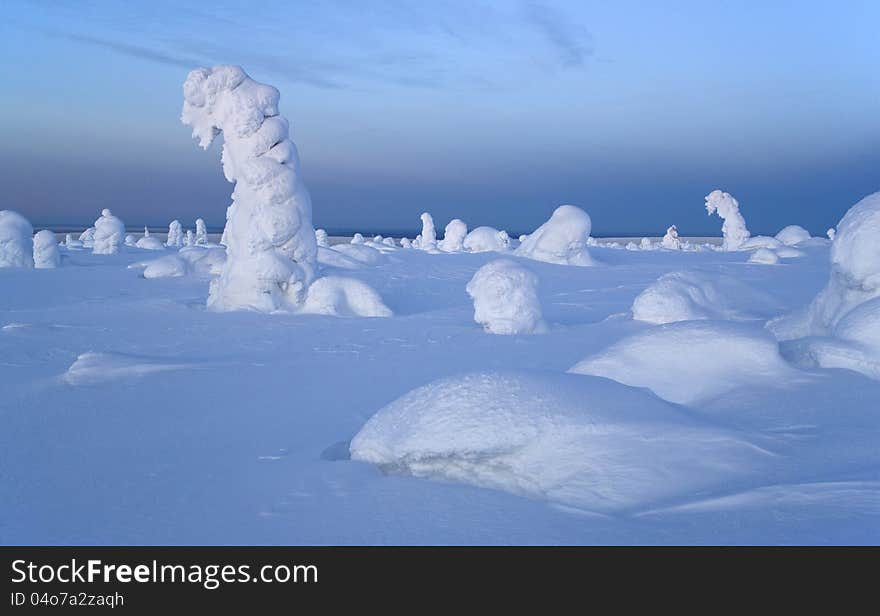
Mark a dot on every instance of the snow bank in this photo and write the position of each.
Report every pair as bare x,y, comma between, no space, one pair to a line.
734,226
361,253
793,234
486,239
505,299
562,239
169,266
329,257
271,246
693,361
581,441
428,236
46,251
671,241
689,296
344,297
16,240
109,234
204,259
765,256
453,236
201,232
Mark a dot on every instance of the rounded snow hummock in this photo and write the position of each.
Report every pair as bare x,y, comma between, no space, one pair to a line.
16,240
586,442
562,239
506,299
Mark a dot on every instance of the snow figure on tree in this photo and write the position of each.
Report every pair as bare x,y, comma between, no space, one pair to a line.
201,232
734,227
671,241
271,247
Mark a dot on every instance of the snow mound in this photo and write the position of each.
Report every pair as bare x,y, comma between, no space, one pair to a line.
765,256
562,239
204,259
70,242
130,240
454,236
690,296
671,240
169,266
328,257
46,251
734,227
344,297
357,238
87,237
109,234
787,252
486,239
581,441
148,242
271,245
693,361
16,240
793,234
321,238
761,241
93,368
505,299
361,253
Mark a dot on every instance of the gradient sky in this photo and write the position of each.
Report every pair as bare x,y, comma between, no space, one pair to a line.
494,112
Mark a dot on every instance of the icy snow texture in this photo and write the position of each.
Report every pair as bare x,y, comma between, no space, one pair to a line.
361,253
69,242
321,238
344,297
671,241
793,234
486,239
428,237
109,234
689,296
46,252
453,236
189,239
405,242
174,238
693,361
734,226
505,299
201,232
562,239
765,256
148,242
87,237
271,246
582,441
16,240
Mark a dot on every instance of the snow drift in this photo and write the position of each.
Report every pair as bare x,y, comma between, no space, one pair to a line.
693,361
344,297
271,246
793,234
562,239
582,441
505,299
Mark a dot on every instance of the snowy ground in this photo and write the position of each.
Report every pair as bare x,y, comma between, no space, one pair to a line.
130,414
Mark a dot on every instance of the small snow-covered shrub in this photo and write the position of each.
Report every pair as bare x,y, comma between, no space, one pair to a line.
389,241
453,236
831,232
344,297
70,242
321,238
793,234
671,241
46,252
506,299
357,238
764,256
130,240
734,226
109,234
562,239
486,239
87,237
405,242
16,240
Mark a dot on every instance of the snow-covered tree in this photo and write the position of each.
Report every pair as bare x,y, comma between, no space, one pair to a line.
46,252
453,236
405,242
175,234
831,233
109,234
357,238
734,226
201,232
16,240
189,239
87,237
321,238
562,239
271,246
428,237
505,299
671,241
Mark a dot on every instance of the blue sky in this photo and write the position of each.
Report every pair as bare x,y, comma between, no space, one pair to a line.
494,112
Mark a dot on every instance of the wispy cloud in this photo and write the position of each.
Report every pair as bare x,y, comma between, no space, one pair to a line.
134,51
572,42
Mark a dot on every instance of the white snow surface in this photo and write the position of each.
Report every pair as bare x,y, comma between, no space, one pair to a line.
486,239
793,234
506,299
109,234
453,236
131,414
671,241
562,239
428,237
764,256
16,240
271,245
344,297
